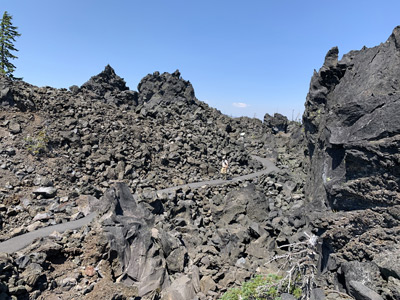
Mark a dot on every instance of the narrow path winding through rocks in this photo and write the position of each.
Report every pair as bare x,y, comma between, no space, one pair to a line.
19,242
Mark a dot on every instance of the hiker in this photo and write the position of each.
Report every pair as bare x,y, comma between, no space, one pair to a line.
224,169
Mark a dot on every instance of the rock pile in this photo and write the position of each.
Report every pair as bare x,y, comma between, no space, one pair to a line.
62,150
182,244
72,143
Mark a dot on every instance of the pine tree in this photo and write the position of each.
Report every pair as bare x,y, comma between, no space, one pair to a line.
8,32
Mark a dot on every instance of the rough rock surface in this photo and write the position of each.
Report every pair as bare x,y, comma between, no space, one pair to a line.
165,87
276,123
127,226
75,143
352,128
108,87
352,133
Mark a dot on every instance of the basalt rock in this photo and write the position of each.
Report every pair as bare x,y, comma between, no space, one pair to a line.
127,226
106,81
353,128
166,87
352,134
276,123
12,96
109,87
5,92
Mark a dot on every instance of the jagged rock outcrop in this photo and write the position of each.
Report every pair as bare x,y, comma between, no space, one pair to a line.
276,123
167,87
352,132
106,81
352,127
5,92
109,87
11,95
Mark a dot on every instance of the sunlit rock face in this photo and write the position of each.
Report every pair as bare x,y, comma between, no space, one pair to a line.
352,126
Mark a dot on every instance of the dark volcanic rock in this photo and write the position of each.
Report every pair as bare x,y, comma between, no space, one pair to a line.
362,272
352,133
106,81
360,292
6,98
140,261
11,95
167,87
352,127
276,123
109,86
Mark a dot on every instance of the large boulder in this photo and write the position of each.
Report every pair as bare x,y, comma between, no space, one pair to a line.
352,127
128,228
355,271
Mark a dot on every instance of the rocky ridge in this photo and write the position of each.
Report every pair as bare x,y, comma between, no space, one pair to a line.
76,134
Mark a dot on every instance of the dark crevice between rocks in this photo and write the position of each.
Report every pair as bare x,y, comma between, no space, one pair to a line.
337,154
386,273
377,107
326,250
311,149
341,281
282,244
118,210
384,134
57,259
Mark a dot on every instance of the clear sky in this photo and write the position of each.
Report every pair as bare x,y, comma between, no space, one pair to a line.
242,57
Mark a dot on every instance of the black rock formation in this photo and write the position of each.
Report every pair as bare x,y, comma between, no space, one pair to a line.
167,87
127,226
352,134
12,96
352,127
106,81
276,123
108,86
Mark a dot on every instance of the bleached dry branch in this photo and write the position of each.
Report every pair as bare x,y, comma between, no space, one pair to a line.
300,263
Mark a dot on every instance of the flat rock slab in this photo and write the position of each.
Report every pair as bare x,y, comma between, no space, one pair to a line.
48,192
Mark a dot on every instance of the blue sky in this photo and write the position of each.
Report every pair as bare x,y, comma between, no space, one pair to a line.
242,57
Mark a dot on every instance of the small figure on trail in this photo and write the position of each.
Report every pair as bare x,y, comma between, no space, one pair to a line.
224,169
